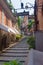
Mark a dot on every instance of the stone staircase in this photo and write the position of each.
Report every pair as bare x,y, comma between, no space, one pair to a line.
18,52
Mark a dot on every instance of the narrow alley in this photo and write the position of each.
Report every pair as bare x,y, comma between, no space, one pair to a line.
21,32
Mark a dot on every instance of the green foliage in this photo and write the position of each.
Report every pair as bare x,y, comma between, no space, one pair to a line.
31,42
29,26
31,22
19,21
14,62
10,4
18,37
21,35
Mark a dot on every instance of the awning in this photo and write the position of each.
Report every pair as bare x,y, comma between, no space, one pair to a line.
8,29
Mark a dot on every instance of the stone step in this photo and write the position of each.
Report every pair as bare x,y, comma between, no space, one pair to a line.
21,47
7,59
14,54
18,49
24,44
18,52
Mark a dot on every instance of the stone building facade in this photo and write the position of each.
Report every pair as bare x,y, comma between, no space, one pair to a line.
39,34
7,19
39,13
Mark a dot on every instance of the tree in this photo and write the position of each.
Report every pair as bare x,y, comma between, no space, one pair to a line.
10,4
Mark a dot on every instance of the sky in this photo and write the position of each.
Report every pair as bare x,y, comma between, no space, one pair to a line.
17,4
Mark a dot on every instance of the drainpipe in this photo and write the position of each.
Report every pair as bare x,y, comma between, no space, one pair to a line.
35,14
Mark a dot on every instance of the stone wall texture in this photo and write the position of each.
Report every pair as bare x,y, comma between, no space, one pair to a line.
39,14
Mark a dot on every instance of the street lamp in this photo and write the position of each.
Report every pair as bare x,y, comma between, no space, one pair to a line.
22,5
